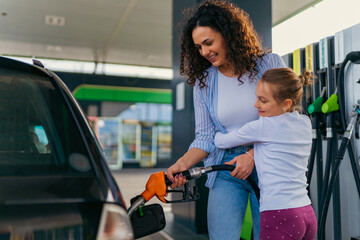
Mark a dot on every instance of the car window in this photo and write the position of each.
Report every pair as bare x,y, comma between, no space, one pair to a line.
38,134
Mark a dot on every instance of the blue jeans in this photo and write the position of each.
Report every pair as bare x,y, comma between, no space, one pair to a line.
227,203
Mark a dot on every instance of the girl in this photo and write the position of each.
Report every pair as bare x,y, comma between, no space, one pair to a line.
282,142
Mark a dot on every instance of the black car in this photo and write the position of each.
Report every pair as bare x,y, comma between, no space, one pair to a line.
54,181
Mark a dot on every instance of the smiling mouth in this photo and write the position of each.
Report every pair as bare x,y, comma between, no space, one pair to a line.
212,58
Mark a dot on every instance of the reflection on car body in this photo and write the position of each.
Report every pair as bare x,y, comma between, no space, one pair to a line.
54,182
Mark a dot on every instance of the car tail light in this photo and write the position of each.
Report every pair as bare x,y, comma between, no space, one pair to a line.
114,224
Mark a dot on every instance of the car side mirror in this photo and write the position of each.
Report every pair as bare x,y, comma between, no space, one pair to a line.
148,220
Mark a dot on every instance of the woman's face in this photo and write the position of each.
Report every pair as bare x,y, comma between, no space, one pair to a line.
211,45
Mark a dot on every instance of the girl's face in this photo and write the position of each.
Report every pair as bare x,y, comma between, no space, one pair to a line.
211,45
266,104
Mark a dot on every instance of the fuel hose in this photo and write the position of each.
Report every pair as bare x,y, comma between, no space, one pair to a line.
200,171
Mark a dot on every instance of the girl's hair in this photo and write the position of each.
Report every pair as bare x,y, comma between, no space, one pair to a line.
242,41
286,84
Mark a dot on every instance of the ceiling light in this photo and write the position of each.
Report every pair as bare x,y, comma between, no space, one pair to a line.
54,20
152,57
51,48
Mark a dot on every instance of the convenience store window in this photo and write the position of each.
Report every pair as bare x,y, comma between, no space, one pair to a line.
151,112
139,136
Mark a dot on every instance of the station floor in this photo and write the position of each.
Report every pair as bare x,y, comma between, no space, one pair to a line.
132,182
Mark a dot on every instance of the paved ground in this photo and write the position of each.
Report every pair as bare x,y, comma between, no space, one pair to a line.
132,183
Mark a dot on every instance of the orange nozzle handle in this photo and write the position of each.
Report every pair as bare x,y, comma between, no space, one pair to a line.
155,186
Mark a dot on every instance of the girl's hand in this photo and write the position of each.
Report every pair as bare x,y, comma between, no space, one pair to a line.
244,166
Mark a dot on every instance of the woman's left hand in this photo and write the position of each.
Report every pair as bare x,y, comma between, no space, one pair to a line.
244,165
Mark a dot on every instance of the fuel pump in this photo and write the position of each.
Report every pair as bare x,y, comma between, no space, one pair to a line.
353,57
314,105
288,60
330,109
318,122
299,66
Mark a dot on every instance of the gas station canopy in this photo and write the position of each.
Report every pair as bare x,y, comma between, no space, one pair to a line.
134,32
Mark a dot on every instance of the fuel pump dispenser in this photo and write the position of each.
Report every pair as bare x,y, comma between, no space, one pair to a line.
314,108
299,67
353,57
330,109
342,118
288,60
303,59
335,114
319,126
324,74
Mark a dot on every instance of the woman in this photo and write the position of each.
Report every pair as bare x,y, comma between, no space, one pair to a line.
222,58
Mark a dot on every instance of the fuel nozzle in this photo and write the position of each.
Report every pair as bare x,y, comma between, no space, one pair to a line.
158,182
331,105
316,105
155,186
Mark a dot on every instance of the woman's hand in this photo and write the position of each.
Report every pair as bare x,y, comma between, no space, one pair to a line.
177,180
190,158
244,165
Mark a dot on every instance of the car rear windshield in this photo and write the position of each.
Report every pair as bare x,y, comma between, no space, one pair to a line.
38,134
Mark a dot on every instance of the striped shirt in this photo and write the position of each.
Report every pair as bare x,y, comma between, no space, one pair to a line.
206,119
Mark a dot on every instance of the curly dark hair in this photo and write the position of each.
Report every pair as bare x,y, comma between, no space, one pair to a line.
242,41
